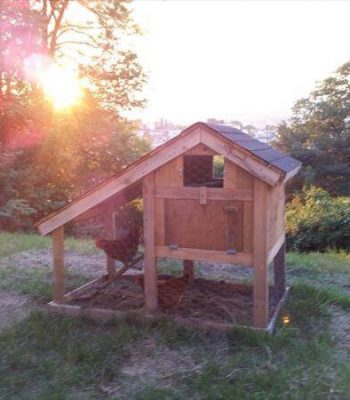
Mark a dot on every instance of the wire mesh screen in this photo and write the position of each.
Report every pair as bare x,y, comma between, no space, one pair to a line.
128,230
200,171
279,279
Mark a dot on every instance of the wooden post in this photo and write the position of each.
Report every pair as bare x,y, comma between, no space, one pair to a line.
58,264
110,262
261,287
150,261
280,271
188,269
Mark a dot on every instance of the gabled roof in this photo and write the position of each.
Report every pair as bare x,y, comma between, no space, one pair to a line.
259,149
257,158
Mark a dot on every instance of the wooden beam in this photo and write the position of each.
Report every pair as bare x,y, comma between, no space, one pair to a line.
240,157
58,264
200,150
275,248
279,271
150,261
193,193
110,232
203,195
183,253
261,287
124,179
188,269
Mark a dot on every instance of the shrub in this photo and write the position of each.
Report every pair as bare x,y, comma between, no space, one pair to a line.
316,221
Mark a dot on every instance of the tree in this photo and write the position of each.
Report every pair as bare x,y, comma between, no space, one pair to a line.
318,137
50,29
52,157
250,129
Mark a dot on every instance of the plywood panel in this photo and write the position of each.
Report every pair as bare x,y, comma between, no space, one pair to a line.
217,225
230,178
170,174
244,180
237,178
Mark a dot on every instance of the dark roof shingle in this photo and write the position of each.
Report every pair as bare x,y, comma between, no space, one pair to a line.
261,150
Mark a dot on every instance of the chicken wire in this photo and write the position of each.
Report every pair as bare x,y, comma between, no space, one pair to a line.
200,171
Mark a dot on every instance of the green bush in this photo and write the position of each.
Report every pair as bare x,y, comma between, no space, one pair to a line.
317,221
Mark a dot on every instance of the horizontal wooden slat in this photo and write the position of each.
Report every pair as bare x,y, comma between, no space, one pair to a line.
205,255
193,193
126,178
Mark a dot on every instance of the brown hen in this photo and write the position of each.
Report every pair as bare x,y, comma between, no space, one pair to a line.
123,249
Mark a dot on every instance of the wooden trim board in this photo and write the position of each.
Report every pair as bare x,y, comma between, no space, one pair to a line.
58,264
99,314
182,253
193,193
127,177
188,139
149,242
275,248
240,157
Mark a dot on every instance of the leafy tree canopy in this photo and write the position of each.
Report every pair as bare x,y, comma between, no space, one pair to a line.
52,156
318,135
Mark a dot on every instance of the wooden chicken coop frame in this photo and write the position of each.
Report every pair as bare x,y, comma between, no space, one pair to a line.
239,222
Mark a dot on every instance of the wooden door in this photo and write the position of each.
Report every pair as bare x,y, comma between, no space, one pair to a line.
216,225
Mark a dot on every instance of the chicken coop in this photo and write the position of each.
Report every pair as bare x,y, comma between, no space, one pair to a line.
211,194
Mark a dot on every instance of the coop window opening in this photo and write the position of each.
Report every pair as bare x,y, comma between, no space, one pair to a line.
205,171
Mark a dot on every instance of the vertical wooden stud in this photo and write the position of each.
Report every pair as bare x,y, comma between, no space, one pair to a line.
279,271
58,264
150,261
261,288
110,231
188,269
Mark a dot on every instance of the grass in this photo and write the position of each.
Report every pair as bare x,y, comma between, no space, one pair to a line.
11,243
80,357
53,357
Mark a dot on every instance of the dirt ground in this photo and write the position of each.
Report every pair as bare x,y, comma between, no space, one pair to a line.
203,299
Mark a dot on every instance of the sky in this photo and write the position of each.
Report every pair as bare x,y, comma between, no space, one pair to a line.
236,60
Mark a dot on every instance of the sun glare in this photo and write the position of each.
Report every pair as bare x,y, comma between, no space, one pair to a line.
61,86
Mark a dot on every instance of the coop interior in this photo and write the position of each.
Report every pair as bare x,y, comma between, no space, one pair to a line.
201,228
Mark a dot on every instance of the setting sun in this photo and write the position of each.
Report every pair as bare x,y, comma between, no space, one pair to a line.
61,86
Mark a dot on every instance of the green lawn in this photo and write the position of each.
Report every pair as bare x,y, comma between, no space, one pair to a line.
54,357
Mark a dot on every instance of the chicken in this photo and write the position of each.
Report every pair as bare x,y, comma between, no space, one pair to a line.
123,249
170,291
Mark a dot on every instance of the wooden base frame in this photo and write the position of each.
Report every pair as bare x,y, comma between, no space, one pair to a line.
101,314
